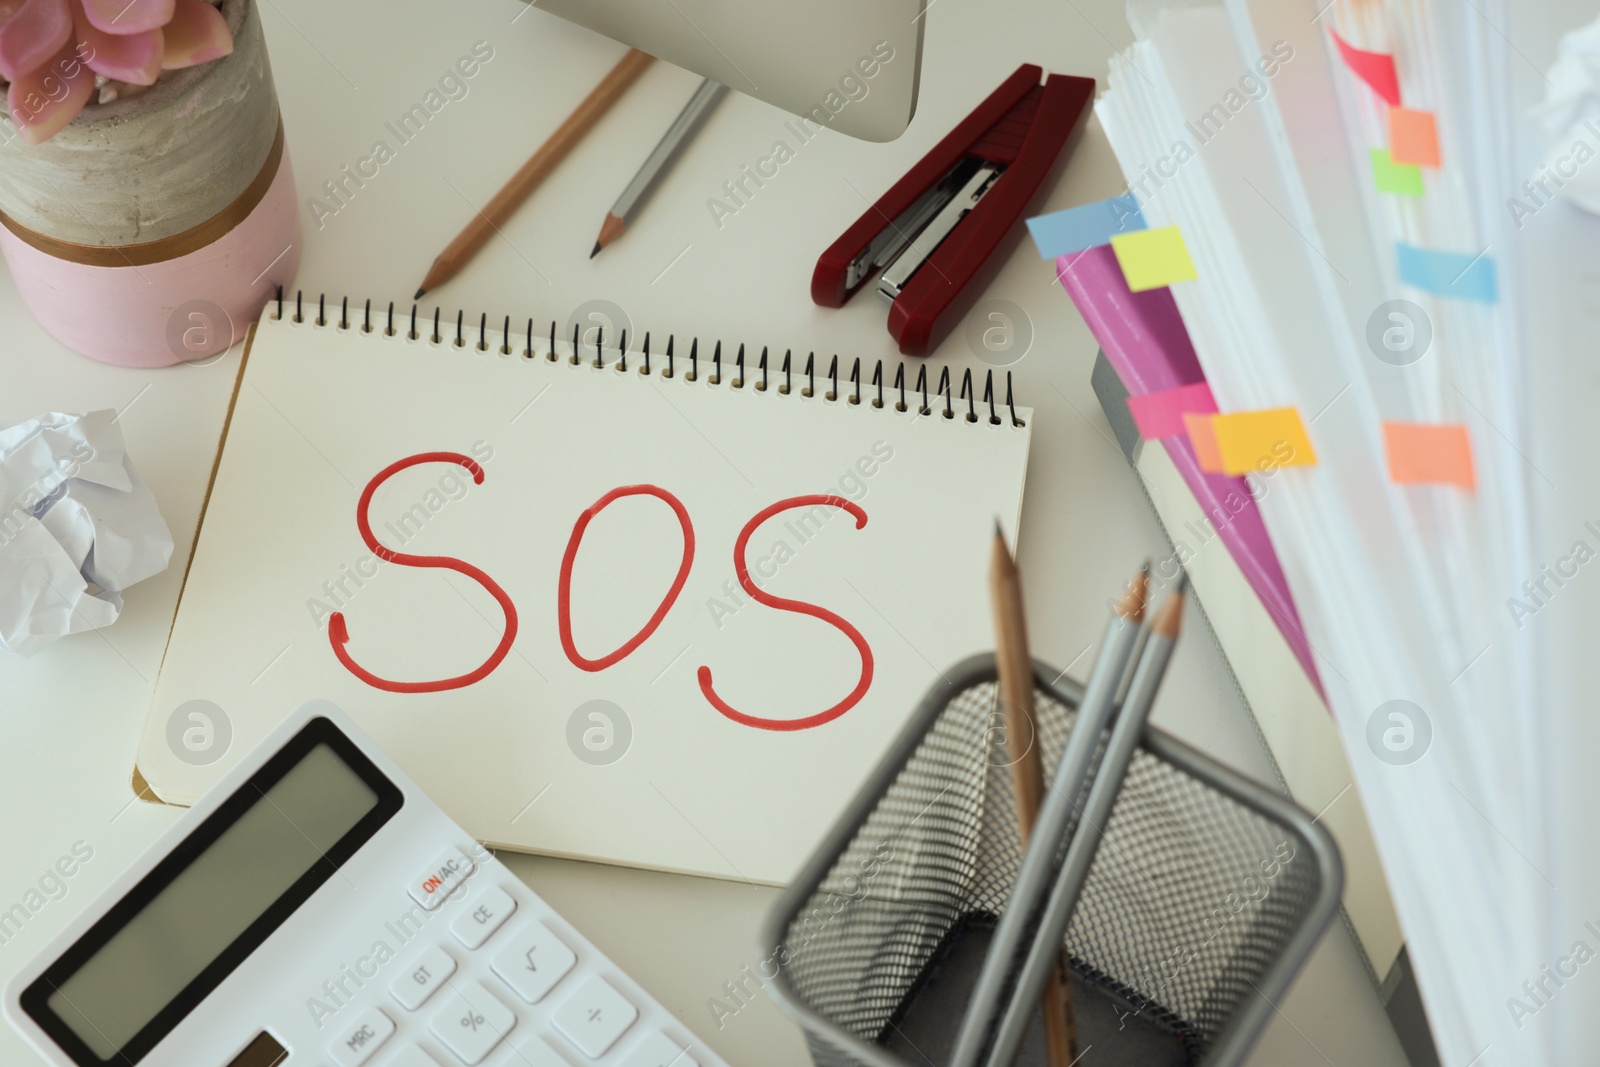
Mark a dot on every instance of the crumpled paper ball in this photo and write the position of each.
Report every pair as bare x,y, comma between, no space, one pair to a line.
77,527
1569,117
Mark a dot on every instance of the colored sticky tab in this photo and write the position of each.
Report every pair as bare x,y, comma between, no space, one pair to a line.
1203,436
1061,233
1423,453
1451,274
1374,68
1161,414
1151,259
1413,137
1392,177
1255,441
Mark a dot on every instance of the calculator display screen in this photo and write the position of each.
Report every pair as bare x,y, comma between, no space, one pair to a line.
215,898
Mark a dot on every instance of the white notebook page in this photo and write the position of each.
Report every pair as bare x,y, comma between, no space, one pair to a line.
522,756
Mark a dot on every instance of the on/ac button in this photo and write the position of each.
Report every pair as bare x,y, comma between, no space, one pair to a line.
440,878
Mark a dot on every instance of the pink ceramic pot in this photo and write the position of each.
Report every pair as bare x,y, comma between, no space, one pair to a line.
152,230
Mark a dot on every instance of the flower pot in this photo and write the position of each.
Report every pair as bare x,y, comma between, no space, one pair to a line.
152,229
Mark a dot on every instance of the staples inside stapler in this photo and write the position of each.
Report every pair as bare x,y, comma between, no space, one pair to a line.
954,208
907,242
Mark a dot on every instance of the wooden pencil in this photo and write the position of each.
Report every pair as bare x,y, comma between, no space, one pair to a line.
1096,711
1014,665
487,223
1015,668
1043,963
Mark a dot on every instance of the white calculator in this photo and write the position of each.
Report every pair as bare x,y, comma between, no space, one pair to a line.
316,909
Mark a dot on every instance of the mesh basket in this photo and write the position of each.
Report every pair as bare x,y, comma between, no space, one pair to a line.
1205,897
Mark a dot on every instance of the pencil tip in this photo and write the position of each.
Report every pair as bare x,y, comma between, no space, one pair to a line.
998,531
1132,604
610,230
420,291
1171,614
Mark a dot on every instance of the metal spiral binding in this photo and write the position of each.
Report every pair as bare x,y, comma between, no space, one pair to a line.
967,391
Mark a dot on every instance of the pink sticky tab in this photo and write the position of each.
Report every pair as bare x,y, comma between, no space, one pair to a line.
1161,414
1374,68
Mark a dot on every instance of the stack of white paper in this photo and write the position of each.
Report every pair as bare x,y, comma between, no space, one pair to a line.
1436,683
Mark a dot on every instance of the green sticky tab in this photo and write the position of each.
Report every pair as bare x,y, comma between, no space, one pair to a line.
1403,179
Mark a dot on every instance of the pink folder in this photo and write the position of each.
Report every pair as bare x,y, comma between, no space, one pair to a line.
1145,341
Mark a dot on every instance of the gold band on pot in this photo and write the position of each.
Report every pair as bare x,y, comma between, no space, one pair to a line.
179,244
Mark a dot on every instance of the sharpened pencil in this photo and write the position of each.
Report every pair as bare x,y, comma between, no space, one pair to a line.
672,143
488,222
1015,668
1095,710
1044,955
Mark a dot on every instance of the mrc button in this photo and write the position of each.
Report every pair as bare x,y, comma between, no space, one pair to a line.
363,1036
440,878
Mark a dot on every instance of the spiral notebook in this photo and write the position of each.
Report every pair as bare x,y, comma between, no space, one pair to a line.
663,610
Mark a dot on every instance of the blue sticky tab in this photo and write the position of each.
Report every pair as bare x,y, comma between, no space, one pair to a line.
1449,274
1062,233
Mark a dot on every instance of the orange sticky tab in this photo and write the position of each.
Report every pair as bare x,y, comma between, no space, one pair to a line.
1259,441
1422,453
1203,436
1413,137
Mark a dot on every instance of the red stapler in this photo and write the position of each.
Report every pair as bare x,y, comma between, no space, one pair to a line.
926,238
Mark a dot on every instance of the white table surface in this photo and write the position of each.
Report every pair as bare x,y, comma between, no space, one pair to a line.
71,715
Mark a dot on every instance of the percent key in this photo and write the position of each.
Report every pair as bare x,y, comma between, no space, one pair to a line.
472,1022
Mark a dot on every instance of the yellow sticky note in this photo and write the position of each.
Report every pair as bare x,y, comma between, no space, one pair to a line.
1203,436
1413,137
1392,177
1259,441
1426,453
1151,259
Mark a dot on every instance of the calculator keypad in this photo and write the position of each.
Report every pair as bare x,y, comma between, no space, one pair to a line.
529,1049
423,978
594,1015
434,883
413,1057
658,1050
361,1038
485,912
471,1022
500,981
533,962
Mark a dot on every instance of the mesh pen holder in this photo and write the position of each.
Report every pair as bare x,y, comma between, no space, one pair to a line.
1205,898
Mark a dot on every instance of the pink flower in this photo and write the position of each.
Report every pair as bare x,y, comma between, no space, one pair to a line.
196,34
51,50
45,99
127,16
31,33
133,57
